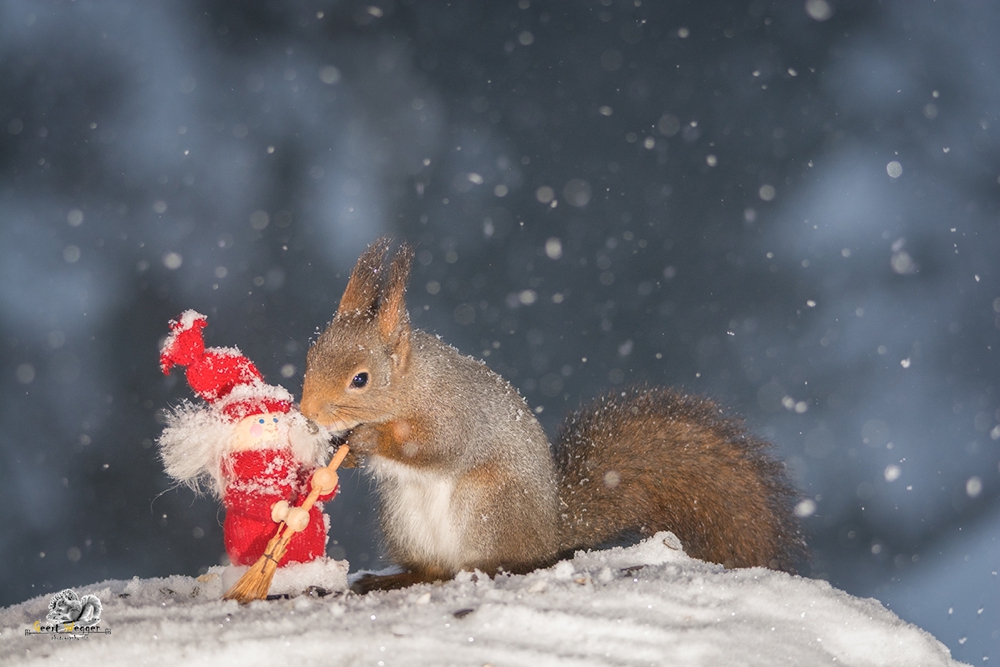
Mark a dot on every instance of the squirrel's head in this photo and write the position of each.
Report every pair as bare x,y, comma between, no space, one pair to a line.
365,350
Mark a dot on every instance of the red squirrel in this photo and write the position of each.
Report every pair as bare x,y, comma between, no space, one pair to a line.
466,477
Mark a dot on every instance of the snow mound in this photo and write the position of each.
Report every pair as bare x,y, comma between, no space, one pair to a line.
640,605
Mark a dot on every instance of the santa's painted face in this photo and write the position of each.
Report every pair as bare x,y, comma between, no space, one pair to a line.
260,432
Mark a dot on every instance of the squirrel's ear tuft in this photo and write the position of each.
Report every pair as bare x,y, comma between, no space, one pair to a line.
392,318
361,296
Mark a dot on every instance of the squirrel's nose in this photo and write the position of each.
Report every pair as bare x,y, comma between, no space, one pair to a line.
312,402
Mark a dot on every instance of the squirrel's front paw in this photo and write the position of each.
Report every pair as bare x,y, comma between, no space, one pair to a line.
363,439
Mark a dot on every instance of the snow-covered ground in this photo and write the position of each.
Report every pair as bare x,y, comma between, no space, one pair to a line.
644,605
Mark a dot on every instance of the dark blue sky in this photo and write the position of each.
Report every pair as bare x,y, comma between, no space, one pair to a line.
791,207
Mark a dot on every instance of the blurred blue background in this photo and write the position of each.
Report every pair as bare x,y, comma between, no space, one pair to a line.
790,206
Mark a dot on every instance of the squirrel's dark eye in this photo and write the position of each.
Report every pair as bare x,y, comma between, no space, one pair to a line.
359,381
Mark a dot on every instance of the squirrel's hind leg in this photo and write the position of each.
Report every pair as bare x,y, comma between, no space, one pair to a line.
391,582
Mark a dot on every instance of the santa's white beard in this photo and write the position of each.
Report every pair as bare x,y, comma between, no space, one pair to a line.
198,437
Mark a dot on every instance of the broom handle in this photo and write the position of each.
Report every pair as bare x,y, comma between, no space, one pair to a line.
285,533
338,458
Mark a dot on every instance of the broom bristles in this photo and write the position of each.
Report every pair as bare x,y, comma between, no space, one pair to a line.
255,587
256,581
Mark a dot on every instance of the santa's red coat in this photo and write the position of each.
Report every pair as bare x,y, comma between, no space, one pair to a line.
254,481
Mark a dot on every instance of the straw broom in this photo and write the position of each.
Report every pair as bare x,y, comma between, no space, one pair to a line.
256,581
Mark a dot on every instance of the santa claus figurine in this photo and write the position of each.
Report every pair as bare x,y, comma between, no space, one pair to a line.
248,445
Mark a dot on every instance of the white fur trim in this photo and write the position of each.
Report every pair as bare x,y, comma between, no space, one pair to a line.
296,578
257,390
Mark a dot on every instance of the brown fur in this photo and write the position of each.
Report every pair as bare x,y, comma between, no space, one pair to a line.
403,440
466,476
651,459
362,292
464,472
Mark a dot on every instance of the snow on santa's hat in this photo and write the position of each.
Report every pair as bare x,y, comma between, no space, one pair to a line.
220,375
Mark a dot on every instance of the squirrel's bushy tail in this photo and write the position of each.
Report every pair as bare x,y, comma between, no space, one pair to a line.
650,459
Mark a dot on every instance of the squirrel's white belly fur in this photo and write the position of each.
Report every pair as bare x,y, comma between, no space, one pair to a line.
419,506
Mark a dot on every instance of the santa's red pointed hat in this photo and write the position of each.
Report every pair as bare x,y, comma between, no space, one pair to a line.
220,375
